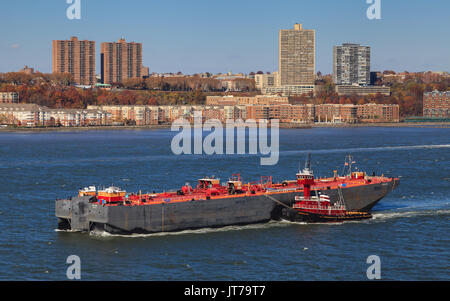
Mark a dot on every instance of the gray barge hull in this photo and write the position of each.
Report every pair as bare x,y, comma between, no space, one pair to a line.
79,214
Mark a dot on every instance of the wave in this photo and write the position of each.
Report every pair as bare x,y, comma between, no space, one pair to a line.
366,149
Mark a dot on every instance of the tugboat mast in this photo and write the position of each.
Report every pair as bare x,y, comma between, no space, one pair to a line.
348,162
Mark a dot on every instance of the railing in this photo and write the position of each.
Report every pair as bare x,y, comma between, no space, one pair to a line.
297,206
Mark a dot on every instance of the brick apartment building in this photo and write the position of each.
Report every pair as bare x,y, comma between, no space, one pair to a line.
251,100
378,113
75,57
336,113
120,61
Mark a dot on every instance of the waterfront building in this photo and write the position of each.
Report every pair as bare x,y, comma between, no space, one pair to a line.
372,112
283,111
350,113
75,57
336,113
32,115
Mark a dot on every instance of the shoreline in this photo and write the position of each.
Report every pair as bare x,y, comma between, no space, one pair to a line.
282,126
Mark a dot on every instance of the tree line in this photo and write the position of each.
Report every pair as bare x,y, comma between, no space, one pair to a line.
58,91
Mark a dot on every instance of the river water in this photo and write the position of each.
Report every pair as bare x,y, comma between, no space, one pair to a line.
409,231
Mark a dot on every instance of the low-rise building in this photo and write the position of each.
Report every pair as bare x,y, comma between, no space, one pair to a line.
372,112
32,115
350,113
241,100
289,90
21,114
362,90
283,111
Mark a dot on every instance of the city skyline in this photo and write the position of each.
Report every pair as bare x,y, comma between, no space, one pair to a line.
209,39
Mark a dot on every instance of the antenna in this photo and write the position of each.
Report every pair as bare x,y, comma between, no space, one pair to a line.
308,162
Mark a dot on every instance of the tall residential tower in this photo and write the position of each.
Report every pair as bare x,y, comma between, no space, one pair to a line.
351,65
297,56
75,57
120,61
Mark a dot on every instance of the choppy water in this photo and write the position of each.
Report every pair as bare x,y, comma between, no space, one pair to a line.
409,231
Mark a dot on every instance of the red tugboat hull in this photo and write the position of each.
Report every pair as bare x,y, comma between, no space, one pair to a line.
309,217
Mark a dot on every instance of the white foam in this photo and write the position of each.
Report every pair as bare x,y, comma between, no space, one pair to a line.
68,231
197,231
405,214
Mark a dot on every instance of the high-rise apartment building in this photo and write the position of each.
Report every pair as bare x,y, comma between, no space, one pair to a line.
120,61
75,57
351,64
297,56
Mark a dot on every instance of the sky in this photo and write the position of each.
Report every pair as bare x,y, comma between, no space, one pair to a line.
194,36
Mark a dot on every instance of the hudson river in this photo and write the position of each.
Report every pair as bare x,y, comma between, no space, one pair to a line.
409,231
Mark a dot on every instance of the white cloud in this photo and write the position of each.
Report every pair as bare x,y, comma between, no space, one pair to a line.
15,46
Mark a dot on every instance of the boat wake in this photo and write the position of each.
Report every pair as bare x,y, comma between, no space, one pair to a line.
67,231
377,217
271,224
381,216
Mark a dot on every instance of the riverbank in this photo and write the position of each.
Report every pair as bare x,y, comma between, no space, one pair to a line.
284,126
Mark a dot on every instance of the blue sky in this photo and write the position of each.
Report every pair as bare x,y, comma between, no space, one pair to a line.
234,35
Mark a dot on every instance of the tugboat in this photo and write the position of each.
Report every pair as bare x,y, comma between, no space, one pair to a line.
318,208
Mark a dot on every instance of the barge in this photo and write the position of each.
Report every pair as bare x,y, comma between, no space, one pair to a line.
213,204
